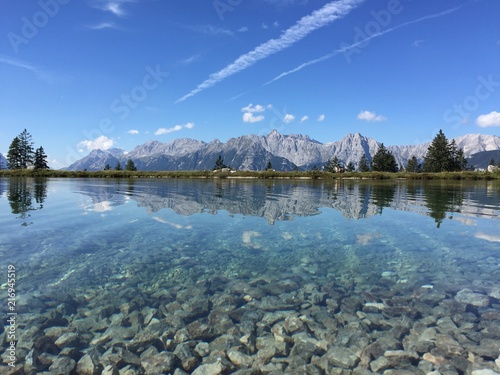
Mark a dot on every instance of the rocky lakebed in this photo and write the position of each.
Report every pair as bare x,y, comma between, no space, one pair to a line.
180,322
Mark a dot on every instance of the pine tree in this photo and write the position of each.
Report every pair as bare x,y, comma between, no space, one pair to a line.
130,166
14,154
26,149
384,161
21,152
41,159
269,166
333,166
219,163
443,156
492,162
118,167
413,165
350,167
107,167
364,165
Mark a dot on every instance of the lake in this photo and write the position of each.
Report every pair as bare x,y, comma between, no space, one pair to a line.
223,276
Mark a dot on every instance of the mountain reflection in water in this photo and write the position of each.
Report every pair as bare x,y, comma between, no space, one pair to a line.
278,200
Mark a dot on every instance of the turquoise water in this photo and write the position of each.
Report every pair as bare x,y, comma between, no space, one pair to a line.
70,238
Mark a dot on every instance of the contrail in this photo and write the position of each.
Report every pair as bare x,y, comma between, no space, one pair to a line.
357,44
332,11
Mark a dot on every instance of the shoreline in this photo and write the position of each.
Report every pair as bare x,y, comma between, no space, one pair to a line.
294,175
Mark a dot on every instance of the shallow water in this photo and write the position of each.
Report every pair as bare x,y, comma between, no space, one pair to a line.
86,240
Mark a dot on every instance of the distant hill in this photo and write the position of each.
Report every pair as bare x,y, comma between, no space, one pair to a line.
481,160
252,152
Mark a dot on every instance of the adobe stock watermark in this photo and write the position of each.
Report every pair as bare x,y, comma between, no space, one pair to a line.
223,6
32,25
122,107
459,113
380,20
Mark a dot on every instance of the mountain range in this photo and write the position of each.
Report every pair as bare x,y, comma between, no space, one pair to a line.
253,152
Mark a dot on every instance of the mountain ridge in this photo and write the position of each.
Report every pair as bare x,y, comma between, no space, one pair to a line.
253,152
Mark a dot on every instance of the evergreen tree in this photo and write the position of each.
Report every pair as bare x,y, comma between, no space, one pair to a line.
14,154
492,162
269,166
350,167
437,158
21,152
364,165
26,149
443,156
219,163
384,161
333,165
130,166
107,167
118,167
413,165
41,159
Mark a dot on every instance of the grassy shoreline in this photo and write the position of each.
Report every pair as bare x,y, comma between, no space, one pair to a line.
297,175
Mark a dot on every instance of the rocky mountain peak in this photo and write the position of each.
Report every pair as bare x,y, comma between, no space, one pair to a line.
253,152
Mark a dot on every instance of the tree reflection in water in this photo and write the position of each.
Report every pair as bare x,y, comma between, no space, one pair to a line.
25,195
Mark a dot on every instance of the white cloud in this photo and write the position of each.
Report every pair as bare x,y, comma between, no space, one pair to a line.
264,26
288,118
102,143
417,43
133,132
329,13
102,26
113,6
190,60
253,109
175,128
251,118
304,118
249,113
243,29
321,118
211,30
489,120
371,116
162,131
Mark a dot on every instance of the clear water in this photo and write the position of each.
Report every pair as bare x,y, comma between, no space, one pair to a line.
73,237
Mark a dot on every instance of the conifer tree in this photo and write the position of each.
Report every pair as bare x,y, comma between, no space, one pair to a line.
41,159
350,167
364,165
413,165
219,163
437,158
118,167
384,161
130,166
21,153
443,156
14,154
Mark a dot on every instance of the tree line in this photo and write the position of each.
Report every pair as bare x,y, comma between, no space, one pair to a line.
441,156
23,155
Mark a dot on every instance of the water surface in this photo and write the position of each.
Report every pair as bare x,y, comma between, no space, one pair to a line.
373,241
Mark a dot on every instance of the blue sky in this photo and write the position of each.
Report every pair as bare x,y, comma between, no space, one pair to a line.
117,73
